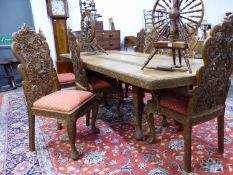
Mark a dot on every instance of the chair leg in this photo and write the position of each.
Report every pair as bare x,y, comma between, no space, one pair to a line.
120,98
105,100
59,124
187,147
164,121
151,109
180,126
88,118
71,129
126,90
31,132
94,116
221,134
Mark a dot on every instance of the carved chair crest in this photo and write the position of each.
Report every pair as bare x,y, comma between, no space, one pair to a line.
79,71
213,78
36,66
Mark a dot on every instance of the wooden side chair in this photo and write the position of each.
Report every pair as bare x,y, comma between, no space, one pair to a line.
66,79
42,89
96,84
129,41
206,100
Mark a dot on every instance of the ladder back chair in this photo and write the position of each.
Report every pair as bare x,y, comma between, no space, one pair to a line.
42,89
96,84
206,100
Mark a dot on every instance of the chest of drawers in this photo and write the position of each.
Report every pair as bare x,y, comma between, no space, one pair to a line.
109,39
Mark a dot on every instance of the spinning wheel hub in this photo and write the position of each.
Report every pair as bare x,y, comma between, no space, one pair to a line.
174,13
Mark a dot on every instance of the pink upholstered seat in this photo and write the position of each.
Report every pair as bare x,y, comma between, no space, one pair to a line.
63,100
66,78
175,102
96,83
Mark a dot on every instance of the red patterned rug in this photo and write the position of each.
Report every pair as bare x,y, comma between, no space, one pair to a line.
112,152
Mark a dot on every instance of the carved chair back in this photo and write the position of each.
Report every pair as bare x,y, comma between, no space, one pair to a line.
36,66
79,71
213,78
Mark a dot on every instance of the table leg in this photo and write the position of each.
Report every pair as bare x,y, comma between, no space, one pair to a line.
138,109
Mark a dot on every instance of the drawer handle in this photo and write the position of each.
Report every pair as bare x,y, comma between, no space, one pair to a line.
110,44
110,35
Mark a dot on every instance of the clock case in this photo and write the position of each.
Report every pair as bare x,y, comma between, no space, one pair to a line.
50,13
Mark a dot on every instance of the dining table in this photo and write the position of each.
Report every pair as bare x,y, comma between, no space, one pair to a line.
127,67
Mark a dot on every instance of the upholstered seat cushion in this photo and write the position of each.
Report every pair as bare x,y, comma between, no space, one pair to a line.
66,78
97,83
63,100
175,102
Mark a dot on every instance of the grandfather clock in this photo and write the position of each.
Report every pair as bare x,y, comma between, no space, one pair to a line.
58,11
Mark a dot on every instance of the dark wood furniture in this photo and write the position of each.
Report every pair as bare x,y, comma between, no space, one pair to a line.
109,39
129,41
9,75
58,11
206,100
42,89
95,83
126,67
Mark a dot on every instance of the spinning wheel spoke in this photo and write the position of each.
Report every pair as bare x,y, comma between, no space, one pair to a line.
180,3
161,11
159,26
195,16
162,20
187,5
161,6
190,20
191,11
194,6
191,26
166,4
185,28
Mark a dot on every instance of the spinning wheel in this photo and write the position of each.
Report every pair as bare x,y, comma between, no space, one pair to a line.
177,19
87,27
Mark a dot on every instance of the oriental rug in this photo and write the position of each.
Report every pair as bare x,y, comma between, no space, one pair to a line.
1,97
113,151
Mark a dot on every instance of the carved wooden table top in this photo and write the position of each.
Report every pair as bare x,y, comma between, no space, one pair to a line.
126,66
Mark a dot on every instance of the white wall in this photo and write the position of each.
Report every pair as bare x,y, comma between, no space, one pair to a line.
43,22
127,15
215,10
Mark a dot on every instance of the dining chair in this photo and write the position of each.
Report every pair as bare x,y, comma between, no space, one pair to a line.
129,41
97,84
206,100
66,79
42,90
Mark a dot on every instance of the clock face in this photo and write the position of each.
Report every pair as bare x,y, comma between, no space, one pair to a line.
58,7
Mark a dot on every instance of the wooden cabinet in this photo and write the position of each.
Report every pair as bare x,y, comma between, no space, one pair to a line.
109,39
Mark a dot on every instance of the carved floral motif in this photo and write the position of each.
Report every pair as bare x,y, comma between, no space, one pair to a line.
39,75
